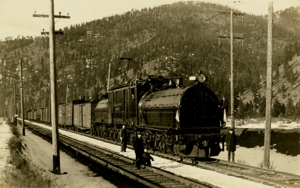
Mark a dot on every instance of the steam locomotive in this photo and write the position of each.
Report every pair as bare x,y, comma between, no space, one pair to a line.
185,121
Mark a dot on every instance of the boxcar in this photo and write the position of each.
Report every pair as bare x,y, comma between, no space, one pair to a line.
33,114
84,115
45,115
61,114
28,114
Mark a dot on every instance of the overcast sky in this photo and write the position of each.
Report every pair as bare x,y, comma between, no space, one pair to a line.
16,15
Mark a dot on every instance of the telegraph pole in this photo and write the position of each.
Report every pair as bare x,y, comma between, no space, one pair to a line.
21,97
55,135
15,105
231,65
268,90
53,94
231,72
108,77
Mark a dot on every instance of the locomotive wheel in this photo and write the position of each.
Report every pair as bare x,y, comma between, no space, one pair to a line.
160,143
169,143
92,131
103,132
162,147
111,134
114,134
148,138
131,136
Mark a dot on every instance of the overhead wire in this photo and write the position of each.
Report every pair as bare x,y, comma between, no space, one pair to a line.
61,10
106,31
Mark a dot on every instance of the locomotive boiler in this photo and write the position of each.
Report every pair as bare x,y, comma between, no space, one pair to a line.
173,119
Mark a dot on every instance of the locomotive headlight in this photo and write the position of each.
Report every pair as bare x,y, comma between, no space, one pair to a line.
201,78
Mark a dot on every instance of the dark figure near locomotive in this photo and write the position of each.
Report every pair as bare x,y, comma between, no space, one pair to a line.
123,138
138,146
231,140
147,158
184,121
224,108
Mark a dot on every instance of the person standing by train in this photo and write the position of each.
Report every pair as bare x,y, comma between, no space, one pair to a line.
224,108
123,138
138,145
231,141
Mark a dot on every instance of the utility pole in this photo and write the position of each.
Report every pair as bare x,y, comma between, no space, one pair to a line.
15,105
21,97
268,90
67,93
231,73
231,65
53,94
55,135
108,77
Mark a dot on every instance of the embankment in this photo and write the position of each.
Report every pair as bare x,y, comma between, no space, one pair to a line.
284,141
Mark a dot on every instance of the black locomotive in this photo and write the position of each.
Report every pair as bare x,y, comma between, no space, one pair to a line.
185,121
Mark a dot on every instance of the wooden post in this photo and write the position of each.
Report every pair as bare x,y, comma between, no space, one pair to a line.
54,121
67,93
231,64
268,91
15,106
108,77
21,97
231,72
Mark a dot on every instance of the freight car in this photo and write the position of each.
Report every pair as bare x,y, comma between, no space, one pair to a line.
84,115
183,121
45,115
66,116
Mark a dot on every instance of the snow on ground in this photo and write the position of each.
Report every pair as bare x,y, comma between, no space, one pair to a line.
211,177
40,152
255,157
5,134
80,176
254,124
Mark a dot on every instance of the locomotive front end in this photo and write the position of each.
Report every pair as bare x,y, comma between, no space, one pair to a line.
186,120
200,119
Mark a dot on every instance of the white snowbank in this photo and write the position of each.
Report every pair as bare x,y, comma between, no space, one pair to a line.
5,135
254,124
40,151
211,177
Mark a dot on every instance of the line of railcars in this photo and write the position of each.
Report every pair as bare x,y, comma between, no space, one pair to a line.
185,121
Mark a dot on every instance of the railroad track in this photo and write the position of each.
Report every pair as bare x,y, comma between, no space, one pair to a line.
261,175
150,176
265,176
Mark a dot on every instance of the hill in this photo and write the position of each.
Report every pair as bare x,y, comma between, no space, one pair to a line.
171,40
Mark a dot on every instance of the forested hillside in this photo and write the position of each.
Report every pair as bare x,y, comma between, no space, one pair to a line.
170,40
